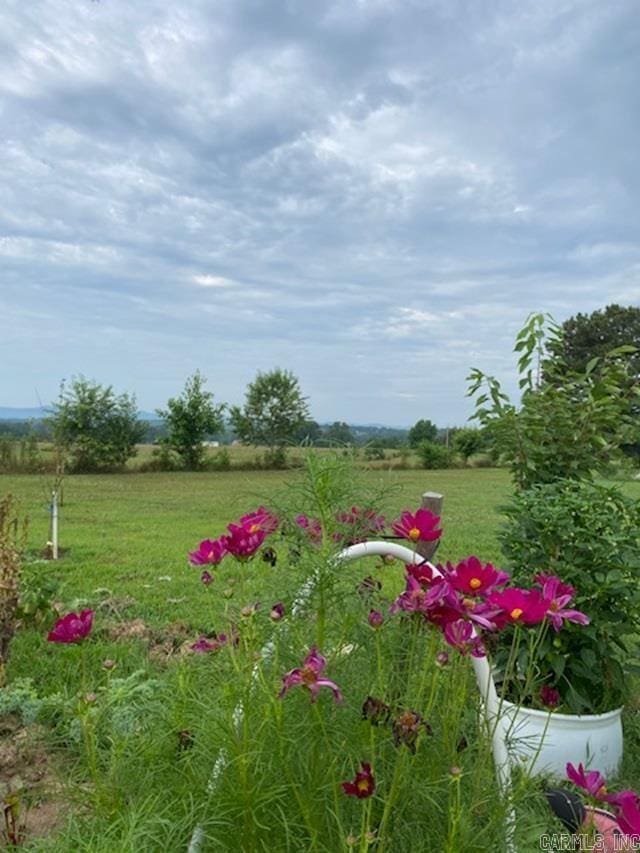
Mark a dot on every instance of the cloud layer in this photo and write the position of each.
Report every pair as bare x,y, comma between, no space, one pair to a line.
371,193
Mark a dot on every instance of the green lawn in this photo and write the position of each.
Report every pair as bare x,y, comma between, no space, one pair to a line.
126,539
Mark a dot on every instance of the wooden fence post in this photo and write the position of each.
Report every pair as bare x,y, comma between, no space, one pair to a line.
433,502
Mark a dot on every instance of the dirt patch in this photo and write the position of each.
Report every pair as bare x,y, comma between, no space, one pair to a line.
133,629
30,789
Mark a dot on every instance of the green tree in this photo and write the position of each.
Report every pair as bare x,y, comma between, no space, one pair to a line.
422,430
467,441
190,419
569,423
273,412
96,428
308,433
588,335
338,433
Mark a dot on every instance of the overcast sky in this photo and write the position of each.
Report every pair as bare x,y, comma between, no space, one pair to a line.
371,193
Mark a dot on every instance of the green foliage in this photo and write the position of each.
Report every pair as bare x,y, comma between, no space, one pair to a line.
374,452
20,455
220,461
587,534
467,441
588,335
434,455
338,433
273,412
190,419
98,429
38,588
423,430
569,424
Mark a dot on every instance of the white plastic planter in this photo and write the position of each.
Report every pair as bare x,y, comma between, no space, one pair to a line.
545,742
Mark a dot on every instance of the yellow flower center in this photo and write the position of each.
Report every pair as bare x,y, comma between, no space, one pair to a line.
363,785
474,583
308,675
254,528
414,534
516,613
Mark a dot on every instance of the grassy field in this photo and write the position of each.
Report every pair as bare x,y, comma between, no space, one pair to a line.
125,541
123,533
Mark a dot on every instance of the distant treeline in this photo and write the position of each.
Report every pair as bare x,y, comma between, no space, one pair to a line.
321,435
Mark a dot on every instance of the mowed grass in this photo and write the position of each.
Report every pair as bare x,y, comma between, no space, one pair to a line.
130,534
126,539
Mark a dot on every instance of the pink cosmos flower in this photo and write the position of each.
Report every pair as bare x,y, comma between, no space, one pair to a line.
460,635
362,523
422,572
204,645
309,675
421,526
260,519
209,552
72,628
311,526
559,594
591,781
243,540
519,606
363,784
471,577
628,815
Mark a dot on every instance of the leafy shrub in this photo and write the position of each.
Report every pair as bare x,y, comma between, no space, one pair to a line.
220,461
587,534
434,455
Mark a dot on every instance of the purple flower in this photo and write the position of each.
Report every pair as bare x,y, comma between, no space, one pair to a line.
363,784
204,644
309,675
72,628
243,540
260,519
592,781
206,577
558,595
209,552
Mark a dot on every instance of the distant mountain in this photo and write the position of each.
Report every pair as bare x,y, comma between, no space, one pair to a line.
9,414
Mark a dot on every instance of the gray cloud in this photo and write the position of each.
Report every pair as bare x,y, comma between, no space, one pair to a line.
372,193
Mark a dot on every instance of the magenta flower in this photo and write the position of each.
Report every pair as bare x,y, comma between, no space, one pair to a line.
591,781
363,784
209,552
519,606
459,634
260,519
422,572
471,577
549,696
421,526
204,645
309,675
362,523
311,526
558,595
72,628
375,618
628,815
206,577
243,540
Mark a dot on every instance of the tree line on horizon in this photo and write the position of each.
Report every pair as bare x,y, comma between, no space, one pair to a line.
96,429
